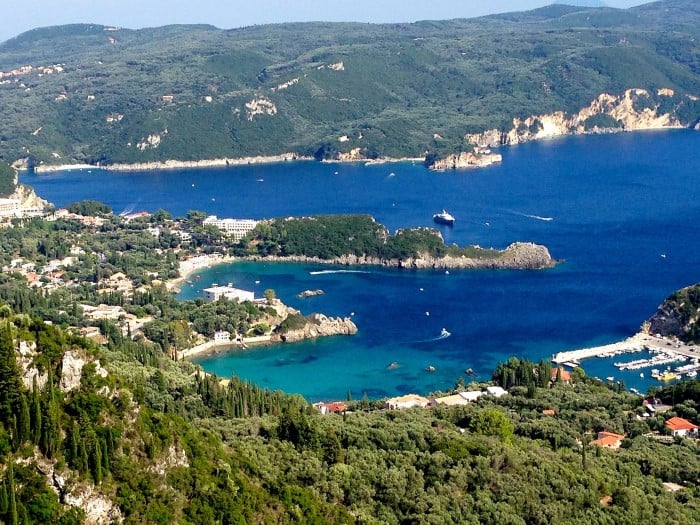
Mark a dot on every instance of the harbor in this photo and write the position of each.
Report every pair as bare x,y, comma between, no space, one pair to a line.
663,353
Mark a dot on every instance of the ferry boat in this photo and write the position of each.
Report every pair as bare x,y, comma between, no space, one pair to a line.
444,218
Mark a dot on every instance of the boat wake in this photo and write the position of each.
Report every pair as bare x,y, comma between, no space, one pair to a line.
326,272
536,217
444,334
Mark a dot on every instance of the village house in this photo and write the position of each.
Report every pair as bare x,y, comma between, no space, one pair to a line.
496,391
565,375
608,440
335,407
407,401
462,398
222,336
103,311
681,427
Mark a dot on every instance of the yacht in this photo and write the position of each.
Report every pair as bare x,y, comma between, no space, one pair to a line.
444,218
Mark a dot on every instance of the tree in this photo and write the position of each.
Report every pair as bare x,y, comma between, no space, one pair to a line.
270,295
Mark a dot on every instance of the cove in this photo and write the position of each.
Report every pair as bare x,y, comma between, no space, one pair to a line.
620,210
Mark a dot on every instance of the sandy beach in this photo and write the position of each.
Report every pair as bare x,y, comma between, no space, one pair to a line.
191,266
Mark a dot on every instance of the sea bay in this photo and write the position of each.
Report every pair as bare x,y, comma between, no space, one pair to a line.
620,210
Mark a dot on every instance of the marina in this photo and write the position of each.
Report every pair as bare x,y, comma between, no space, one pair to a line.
663,351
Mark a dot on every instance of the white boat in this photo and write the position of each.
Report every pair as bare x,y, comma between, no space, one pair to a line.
444,333
444,218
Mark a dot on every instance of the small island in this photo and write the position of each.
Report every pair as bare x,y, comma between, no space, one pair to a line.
309,293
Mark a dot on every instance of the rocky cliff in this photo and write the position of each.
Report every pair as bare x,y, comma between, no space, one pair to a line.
678,315
476,159
635,109
318,325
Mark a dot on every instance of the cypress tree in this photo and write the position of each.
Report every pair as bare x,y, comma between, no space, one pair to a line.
35,413
23,422
12,516
4,499
10,378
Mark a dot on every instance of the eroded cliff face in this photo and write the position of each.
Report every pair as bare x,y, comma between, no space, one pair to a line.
635,109
464,160
678,315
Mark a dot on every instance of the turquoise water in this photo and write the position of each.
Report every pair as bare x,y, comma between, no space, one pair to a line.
620,210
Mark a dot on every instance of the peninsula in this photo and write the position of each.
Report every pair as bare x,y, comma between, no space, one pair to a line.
360,240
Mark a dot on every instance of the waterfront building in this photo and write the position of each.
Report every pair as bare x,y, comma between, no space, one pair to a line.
228,292
238,228
222,336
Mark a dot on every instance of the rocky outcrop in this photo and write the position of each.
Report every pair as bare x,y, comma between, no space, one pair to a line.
309,293
318,325
678,315
25,359
466,160
72,369
635,109
517,256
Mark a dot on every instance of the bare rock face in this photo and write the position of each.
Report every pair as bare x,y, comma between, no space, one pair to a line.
466,160
319,325
622,108
679,315
71,370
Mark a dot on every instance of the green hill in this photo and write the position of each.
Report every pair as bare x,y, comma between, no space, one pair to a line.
99,94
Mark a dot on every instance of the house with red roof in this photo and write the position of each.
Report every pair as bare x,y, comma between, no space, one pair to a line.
608,440
565,375
334,407
681,427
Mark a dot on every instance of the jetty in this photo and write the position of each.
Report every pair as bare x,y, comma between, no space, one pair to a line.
636,343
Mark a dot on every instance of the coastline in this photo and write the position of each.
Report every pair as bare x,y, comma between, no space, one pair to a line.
224,162
488,160
191,266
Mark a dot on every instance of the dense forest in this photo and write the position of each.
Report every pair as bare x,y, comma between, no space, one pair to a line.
106,95
332,236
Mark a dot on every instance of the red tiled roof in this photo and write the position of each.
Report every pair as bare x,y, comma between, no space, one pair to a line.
337,406
678,423
565,374
608,439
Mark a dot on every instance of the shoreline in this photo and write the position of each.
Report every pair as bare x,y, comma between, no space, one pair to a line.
224,162
172,164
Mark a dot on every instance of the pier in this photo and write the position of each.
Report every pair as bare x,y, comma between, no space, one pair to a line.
636,343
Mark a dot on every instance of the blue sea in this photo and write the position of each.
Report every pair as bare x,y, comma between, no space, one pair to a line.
621,211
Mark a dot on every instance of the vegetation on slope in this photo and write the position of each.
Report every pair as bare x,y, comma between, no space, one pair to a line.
7,180
333,236
156,440
189,92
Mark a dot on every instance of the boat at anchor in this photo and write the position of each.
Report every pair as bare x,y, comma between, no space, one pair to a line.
444,218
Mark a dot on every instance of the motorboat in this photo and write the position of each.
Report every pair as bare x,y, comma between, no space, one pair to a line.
444,218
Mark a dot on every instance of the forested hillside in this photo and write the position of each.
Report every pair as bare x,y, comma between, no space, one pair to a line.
87,93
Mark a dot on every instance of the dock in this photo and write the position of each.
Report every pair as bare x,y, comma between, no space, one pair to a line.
636,343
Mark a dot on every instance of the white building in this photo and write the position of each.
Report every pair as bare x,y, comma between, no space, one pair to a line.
9,208
496,391
229,292
462,398
238,228
222,336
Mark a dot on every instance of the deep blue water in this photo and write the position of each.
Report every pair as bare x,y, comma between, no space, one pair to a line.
625,217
